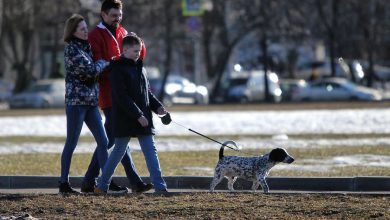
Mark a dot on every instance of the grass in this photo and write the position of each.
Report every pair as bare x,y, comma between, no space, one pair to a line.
192,162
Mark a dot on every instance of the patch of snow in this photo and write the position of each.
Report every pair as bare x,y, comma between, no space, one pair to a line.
364,121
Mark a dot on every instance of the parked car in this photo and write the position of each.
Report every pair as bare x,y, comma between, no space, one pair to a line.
6,89
334,89
42,94
290,88
179,90
351,69
248,86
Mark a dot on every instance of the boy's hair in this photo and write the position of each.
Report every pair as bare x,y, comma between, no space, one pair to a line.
108,4
71,26
131,40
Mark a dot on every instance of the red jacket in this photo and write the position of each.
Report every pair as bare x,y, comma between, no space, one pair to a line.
105,46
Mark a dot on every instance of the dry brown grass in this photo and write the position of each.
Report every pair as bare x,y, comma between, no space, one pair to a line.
187,162
198,206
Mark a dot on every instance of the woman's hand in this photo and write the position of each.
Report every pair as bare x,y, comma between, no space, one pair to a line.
143,121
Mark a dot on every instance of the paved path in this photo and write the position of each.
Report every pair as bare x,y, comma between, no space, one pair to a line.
381,183
54,191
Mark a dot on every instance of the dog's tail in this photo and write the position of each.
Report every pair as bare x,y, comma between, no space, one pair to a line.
226,143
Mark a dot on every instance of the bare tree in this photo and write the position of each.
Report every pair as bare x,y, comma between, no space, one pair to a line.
372,18
330,20
1,16
25,25
159,23
223,28
19,41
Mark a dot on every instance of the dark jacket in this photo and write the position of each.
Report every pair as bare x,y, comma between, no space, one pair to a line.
131,98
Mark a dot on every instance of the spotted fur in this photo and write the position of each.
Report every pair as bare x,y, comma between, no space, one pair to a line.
254,169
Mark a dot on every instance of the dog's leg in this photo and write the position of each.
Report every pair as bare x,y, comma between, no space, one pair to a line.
231,181
234,179
217,178
255,185
263,183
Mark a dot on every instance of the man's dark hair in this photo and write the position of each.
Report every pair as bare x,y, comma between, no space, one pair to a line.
131,40
108,4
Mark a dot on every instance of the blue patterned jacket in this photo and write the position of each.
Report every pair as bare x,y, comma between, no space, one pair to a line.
79,65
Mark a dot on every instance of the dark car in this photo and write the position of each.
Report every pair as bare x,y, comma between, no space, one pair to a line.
42,94
290,88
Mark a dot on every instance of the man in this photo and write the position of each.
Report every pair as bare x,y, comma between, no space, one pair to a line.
105,40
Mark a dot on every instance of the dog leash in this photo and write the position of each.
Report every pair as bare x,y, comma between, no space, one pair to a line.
202,135
166,119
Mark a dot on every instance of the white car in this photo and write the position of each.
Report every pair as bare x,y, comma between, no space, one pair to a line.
179,90
249,87
334,89
42,94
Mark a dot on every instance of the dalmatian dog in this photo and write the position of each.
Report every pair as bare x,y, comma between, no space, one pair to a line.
255,169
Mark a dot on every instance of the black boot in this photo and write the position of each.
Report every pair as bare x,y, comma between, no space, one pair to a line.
87,187
66,188
116,188
141,187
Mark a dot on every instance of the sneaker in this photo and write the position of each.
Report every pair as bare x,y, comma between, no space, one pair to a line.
142,187
87,187
116,188
160,191
66,188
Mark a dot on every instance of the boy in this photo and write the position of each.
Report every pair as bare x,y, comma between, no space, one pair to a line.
132,106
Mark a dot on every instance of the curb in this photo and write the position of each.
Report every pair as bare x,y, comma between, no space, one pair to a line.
353,184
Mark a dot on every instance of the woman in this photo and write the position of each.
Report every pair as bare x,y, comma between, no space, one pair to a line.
81,97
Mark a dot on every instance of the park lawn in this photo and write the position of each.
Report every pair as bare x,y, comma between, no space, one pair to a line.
191,163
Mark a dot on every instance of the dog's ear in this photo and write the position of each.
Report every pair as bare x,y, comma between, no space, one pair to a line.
277,155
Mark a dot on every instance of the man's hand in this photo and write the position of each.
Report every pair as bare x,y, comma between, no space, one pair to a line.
143,121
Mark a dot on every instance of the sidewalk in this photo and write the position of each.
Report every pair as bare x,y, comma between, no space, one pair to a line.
370,185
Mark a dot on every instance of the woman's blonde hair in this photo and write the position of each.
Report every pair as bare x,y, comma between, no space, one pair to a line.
71,26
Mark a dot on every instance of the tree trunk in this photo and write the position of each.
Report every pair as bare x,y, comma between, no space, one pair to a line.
55,67
168,48
1,17
264,48
292,59
332,36
23,79
219,69
370,68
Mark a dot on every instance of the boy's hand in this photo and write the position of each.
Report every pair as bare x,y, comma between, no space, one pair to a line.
166,119
143,121
161,111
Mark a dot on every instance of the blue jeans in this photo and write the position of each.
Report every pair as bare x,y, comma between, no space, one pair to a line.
150,153
93,168
76,115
